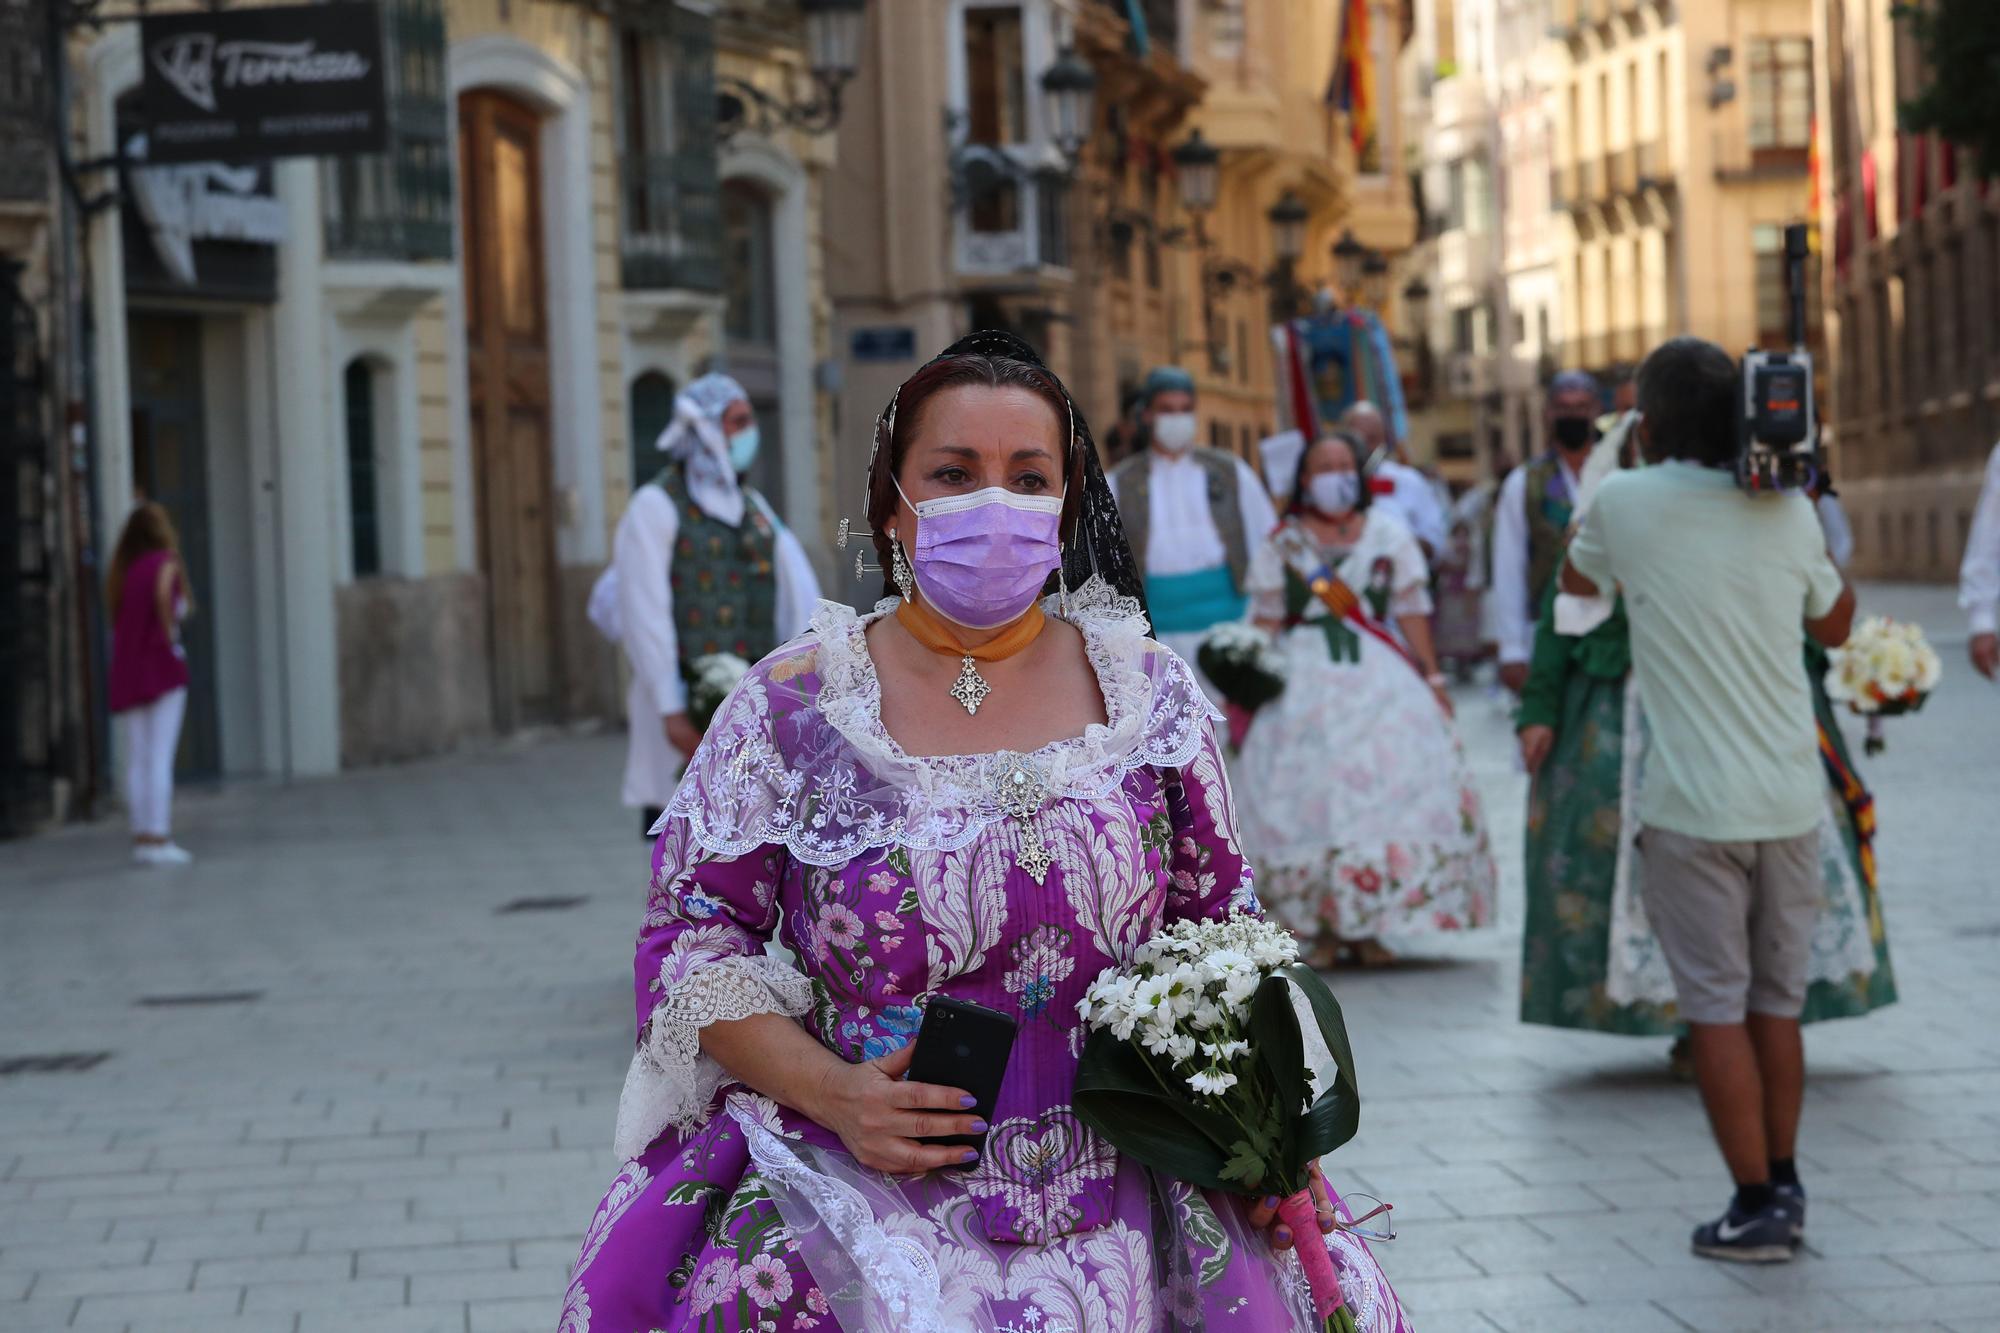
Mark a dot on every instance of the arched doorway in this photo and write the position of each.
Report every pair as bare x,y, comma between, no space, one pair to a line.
508,372
652,409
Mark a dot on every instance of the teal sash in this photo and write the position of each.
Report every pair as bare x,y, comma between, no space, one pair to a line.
1191,603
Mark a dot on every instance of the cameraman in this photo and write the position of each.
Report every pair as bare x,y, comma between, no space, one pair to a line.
1716,583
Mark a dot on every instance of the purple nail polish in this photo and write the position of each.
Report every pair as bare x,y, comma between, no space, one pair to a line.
970,1157
1326,1225
968,1101
978,1127
1271,1202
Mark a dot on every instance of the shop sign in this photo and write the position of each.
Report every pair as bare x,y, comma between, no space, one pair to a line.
288,81
893,342
202,201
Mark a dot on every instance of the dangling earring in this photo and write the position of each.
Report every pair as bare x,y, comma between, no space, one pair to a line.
1062,594
899,571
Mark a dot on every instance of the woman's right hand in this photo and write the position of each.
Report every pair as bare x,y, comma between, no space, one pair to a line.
1536,742
681,733
879,1116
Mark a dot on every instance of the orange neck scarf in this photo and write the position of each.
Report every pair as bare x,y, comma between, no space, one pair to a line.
935,634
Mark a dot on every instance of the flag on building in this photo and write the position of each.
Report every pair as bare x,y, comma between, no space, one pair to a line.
1353,86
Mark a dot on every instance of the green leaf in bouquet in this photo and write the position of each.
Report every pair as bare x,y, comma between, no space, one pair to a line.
1335,1116
1277,1046
1148,1117
1246,1166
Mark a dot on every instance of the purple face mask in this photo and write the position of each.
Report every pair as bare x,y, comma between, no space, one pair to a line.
981,559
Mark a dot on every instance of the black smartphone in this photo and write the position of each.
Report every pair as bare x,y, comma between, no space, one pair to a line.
964,1045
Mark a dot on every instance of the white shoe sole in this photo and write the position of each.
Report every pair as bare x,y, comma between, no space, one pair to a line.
1742,1254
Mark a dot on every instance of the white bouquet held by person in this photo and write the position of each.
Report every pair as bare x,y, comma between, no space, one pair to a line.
1244,662
1885,669
1195,1066
710,678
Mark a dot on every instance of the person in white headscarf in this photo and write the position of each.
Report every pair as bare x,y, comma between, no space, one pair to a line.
701,565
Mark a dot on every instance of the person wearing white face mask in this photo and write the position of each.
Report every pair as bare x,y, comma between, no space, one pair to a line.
1194,517
701,565
1357,804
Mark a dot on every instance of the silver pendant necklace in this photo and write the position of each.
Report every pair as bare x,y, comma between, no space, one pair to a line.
971,689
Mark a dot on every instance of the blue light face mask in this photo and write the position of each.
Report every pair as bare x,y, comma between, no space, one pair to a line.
743,447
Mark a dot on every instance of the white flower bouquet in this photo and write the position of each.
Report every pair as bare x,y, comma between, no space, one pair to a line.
1885,669
1244,662
710,678
1195,1065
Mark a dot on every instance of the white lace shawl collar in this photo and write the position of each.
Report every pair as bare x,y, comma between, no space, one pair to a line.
821,774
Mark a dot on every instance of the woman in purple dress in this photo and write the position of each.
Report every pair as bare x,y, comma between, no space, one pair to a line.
975,792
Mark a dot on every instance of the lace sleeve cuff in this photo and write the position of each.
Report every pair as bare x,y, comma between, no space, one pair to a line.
671,1083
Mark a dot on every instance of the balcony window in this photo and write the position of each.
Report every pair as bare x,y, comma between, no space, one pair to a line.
1052,206
1781,99
749,287
996,108
995,76
670,203
24,154
397,204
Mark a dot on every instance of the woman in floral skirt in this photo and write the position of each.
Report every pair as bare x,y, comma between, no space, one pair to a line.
1358,804
980,792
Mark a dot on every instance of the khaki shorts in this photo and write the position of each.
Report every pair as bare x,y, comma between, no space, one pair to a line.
1735,921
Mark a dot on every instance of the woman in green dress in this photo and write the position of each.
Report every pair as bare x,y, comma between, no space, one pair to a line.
1585,948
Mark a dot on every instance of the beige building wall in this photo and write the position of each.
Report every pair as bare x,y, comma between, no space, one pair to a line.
1912,284
1656,175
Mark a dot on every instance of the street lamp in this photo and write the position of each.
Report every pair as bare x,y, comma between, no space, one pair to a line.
1288,226
1288,241
1199,163
1348,257
1417,305
833,54
833,39
1375,281
1071,87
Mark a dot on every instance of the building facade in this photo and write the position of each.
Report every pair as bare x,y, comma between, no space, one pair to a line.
1683,136
45,727
985,221
1273,110
1911,288
395,402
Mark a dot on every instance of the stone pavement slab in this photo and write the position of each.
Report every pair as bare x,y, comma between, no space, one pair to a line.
403,1126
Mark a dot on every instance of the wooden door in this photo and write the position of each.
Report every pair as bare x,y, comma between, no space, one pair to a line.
507,365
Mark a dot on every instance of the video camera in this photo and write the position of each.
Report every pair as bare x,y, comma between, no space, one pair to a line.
1779,437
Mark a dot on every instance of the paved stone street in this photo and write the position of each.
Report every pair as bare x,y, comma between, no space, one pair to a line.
344,1088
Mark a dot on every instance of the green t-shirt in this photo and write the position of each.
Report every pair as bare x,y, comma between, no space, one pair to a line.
1717,586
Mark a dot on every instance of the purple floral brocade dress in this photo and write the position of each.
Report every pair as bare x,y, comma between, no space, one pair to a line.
889,878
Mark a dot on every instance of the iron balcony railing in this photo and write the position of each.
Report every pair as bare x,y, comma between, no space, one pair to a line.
672,207
398,204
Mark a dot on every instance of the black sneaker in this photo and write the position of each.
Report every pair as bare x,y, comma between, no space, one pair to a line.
1762,1237
1792,1198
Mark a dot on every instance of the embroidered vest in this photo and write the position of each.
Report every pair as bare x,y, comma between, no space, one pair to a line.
1547,498
724,579
1133,480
